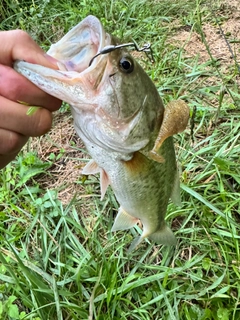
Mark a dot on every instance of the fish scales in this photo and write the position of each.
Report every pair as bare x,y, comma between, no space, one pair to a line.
121,119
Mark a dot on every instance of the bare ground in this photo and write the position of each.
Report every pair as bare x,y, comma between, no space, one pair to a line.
219,37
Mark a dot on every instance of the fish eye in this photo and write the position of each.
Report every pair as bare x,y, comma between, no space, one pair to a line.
126,65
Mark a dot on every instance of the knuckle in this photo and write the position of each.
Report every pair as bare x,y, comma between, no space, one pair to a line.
21,35
43,123
12,144
9,84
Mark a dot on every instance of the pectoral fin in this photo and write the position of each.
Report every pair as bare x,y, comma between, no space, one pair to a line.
91,168
154,155
123,221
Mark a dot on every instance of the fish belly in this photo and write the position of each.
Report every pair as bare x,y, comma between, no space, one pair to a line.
142,186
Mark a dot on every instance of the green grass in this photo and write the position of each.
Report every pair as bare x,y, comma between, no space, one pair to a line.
61,261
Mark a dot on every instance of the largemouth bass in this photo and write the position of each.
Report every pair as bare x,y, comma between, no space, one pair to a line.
121,119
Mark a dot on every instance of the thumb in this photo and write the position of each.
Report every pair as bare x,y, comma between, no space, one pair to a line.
18,45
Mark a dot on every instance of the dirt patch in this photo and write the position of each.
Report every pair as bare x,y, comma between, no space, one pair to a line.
64,148
193,44
223,38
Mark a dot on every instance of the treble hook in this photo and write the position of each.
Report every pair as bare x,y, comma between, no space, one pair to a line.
146,48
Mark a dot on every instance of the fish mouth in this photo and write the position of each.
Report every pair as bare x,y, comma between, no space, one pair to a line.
76,49
73,54
85,80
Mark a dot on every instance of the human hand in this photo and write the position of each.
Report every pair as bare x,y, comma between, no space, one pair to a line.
15,125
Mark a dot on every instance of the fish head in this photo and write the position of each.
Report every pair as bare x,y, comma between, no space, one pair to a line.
114,102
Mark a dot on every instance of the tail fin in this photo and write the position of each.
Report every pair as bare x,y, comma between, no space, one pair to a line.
164,236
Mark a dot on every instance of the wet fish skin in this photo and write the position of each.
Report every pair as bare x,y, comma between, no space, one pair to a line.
119,116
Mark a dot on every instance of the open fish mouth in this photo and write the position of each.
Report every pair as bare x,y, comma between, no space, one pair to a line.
92,82
74,55
76,49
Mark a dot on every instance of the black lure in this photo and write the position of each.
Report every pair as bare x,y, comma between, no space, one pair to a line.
146,48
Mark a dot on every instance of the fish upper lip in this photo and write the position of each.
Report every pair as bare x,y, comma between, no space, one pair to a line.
73,61
80,45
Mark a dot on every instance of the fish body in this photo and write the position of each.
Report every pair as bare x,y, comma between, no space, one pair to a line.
121,119
142,188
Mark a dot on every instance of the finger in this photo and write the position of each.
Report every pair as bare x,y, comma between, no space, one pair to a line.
14,86
11,142
10,145
5,159
13,117
18,45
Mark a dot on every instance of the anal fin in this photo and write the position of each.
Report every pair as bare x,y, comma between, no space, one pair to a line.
123,221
